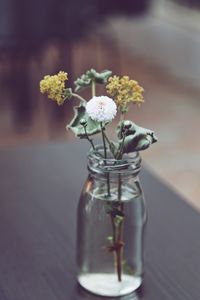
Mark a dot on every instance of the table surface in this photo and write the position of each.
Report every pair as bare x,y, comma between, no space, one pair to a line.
39,191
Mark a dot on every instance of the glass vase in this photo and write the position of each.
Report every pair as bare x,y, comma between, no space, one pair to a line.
110,229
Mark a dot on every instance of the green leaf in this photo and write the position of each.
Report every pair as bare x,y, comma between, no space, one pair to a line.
92,75
137,138
92,127
68,93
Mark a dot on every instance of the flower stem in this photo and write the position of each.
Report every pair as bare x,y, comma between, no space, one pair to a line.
105,156
117,222
119,251
122,117
119,238
90,140
79,97
120,150
117,230
93,88
109,143
104,142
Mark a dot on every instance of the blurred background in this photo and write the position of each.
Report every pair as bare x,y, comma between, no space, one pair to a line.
156,42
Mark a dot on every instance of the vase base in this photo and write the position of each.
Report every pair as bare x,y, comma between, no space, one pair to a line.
107,285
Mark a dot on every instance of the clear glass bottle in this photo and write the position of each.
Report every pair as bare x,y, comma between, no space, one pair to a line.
111,220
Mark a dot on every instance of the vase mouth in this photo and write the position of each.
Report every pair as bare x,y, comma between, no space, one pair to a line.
129,164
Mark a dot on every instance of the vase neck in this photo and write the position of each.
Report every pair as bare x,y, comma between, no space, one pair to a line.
129,165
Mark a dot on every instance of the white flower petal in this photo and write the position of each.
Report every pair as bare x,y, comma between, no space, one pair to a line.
101,109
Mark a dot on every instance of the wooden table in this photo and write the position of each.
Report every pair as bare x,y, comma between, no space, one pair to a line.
39,190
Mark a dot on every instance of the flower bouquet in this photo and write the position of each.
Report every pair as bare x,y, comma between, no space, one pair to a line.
111,211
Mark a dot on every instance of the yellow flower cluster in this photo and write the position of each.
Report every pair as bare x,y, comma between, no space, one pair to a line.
124,91
54,86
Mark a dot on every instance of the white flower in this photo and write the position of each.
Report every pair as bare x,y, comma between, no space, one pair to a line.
101,109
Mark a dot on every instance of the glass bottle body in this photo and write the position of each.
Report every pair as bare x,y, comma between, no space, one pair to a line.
111,220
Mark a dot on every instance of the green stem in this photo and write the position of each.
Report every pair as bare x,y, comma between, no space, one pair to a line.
79,97
117,232
105,156
119,152
122,117
109,143
119,187
90,140
119,251
113,229
103,139
93,88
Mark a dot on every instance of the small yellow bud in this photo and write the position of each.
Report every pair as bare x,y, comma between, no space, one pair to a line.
54,86
124,91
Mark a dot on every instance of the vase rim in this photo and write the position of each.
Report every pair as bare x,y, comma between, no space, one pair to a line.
130,163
